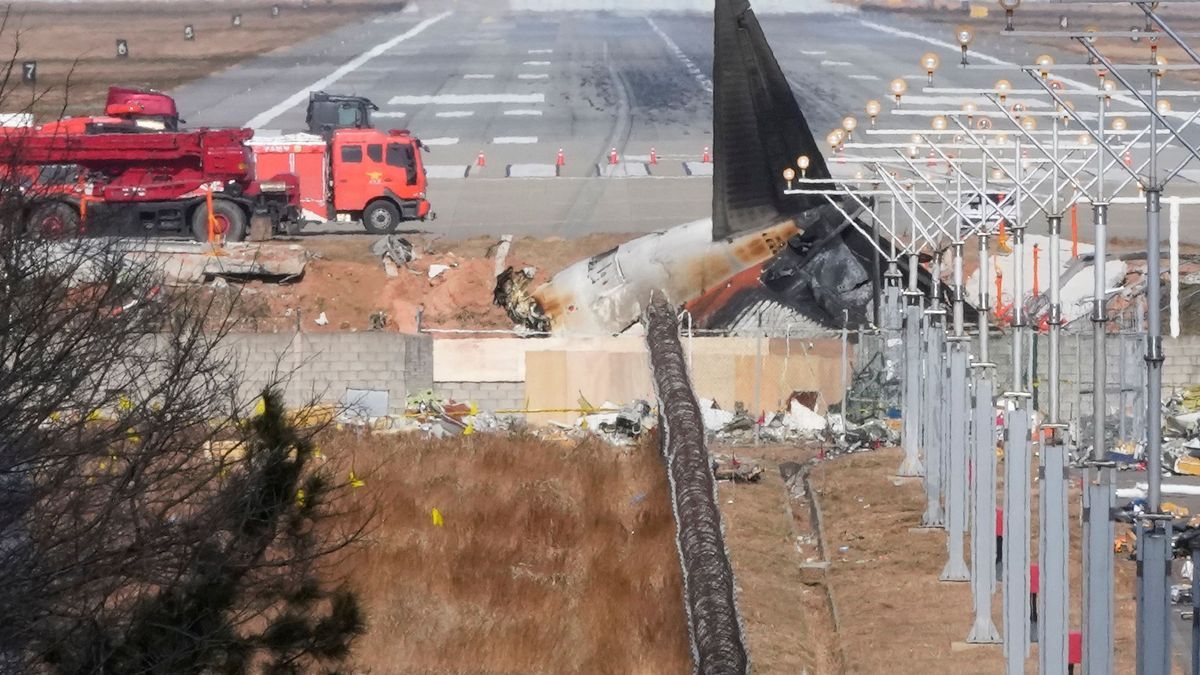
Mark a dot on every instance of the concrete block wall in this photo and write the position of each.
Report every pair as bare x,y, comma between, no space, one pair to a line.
489,396
1182,368
322,366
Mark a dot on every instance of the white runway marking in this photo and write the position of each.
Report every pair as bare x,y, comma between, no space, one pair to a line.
523,113
541,51
533,76
456,113
695,72
838,64
467,99
698,168
515,140
818,52
267,116
446,170
532,171
536,63
440,141
869,78
623,170
394,115
479,76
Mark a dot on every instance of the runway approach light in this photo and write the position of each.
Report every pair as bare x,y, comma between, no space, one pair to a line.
969,109
965,35
1044,63
983,124
789,174
835,139
1161,71
939,123
873,108
930,62
1029,123
803,162
1009,6
1085,140
1164,106
997,174
1064,112
849,124
898,87
1119,124
1003,87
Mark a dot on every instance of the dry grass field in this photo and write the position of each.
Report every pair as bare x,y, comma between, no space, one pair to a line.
75,43
553,558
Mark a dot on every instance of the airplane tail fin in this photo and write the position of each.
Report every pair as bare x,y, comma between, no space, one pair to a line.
758,128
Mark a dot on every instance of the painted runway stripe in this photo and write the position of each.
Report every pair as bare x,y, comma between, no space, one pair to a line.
456,113
479,76
523,113
515,140
818,52
536,63
541,51
533,76
467,99
391,115
691,67
440,141
267,116
869,78
836,64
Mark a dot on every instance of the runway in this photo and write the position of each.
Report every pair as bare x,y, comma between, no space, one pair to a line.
488,77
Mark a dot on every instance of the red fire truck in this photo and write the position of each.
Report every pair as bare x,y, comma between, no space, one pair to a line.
348,170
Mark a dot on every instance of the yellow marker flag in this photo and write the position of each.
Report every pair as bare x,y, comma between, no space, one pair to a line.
355,481
469,430
260,408
124,404
300,498
438,521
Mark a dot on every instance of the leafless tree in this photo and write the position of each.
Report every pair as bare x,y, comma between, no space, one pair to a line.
152,520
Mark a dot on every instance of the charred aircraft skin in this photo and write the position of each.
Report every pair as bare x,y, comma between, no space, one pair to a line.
608,293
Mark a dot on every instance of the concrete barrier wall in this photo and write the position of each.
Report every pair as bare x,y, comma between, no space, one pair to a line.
559,373
323,366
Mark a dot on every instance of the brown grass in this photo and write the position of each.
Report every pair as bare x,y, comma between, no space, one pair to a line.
787,621
553,558
78,41
886,585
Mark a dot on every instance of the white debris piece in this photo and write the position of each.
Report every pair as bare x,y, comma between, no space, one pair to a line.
322,320
715,419
802,420
436,270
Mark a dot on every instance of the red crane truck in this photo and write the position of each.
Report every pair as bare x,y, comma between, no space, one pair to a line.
135,167
134,183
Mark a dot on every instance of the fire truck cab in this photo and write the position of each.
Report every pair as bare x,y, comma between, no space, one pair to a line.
370,175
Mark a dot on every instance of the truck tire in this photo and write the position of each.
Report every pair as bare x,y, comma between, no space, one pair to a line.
231,221
54,220
381,217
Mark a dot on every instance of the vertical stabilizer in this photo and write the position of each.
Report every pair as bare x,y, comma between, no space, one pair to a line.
758,129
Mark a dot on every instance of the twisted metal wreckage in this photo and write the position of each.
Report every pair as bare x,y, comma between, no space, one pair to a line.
764,253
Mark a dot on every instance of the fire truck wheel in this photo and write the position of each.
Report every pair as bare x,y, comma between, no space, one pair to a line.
381,217
54,220
230,221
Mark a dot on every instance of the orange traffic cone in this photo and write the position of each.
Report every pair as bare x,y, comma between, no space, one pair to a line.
561,160
612,156
707,158
653,156
481,160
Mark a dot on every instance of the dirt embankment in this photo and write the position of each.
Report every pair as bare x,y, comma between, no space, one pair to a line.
348,283
74,43
552,558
